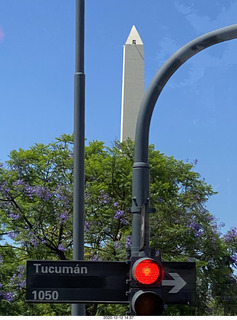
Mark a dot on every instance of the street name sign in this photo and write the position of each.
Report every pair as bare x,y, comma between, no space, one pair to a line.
101,282
77,281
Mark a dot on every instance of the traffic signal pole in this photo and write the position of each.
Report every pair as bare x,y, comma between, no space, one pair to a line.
79,144
141,172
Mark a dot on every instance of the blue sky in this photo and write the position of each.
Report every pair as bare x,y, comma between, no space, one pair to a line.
195,116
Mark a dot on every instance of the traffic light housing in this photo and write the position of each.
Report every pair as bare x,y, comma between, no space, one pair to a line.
146,275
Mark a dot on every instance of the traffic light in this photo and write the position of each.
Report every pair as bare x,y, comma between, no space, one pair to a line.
146,275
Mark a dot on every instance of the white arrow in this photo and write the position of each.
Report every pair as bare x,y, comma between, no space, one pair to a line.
178,283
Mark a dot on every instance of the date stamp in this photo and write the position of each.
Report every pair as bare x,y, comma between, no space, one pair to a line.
118,317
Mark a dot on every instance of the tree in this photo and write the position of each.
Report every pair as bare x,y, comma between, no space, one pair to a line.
36,221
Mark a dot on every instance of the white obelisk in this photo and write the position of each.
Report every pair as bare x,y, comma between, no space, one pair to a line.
133,84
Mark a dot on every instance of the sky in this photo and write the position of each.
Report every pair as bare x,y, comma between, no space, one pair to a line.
195,115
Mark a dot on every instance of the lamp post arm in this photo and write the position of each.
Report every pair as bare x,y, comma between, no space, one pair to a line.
163,75
141,171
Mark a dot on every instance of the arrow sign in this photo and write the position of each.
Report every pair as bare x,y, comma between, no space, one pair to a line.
101,282
178,283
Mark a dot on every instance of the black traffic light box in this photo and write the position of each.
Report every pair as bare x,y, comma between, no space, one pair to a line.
145,294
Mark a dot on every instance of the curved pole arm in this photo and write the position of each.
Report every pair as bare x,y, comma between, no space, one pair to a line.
161,78
141,172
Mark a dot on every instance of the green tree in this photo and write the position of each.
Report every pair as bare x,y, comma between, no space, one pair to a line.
36,221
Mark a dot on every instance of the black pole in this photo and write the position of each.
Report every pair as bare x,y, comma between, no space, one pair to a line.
140,179
79,144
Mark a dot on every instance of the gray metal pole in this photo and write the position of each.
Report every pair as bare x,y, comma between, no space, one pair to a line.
79,144
140,179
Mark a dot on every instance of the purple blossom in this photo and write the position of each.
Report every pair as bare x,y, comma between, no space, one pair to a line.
157,253
14,216
128,242
94,257
21,269
3,187
104,198
86,226
43,193
0,285
11,235
119,214
117,244
195,162
18,278
38,191
124,221
195,228
209,218
29,191
63,217
215,229
61,247
60,195
1,259
22,284
203,211
233,260
35,242
18,182
9,296
199,233
231,235
212,241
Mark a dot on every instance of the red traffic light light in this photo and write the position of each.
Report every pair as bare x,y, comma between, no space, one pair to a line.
147,271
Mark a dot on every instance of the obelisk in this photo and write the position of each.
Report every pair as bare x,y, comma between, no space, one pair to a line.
133,84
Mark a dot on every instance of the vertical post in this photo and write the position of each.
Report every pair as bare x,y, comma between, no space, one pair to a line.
79,144
140,209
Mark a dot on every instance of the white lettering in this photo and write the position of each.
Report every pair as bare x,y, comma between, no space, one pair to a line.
58,269
77,269
51,269
39,268
45,295
83,270
44,269
67,270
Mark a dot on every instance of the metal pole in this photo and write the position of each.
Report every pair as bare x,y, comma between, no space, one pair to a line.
140,179
79,144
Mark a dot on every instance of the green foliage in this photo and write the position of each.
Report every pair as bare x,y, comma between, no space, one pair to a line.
36,188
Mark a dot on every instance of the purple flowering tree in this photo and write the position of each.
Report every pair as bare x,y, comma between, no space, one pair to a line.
36,220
